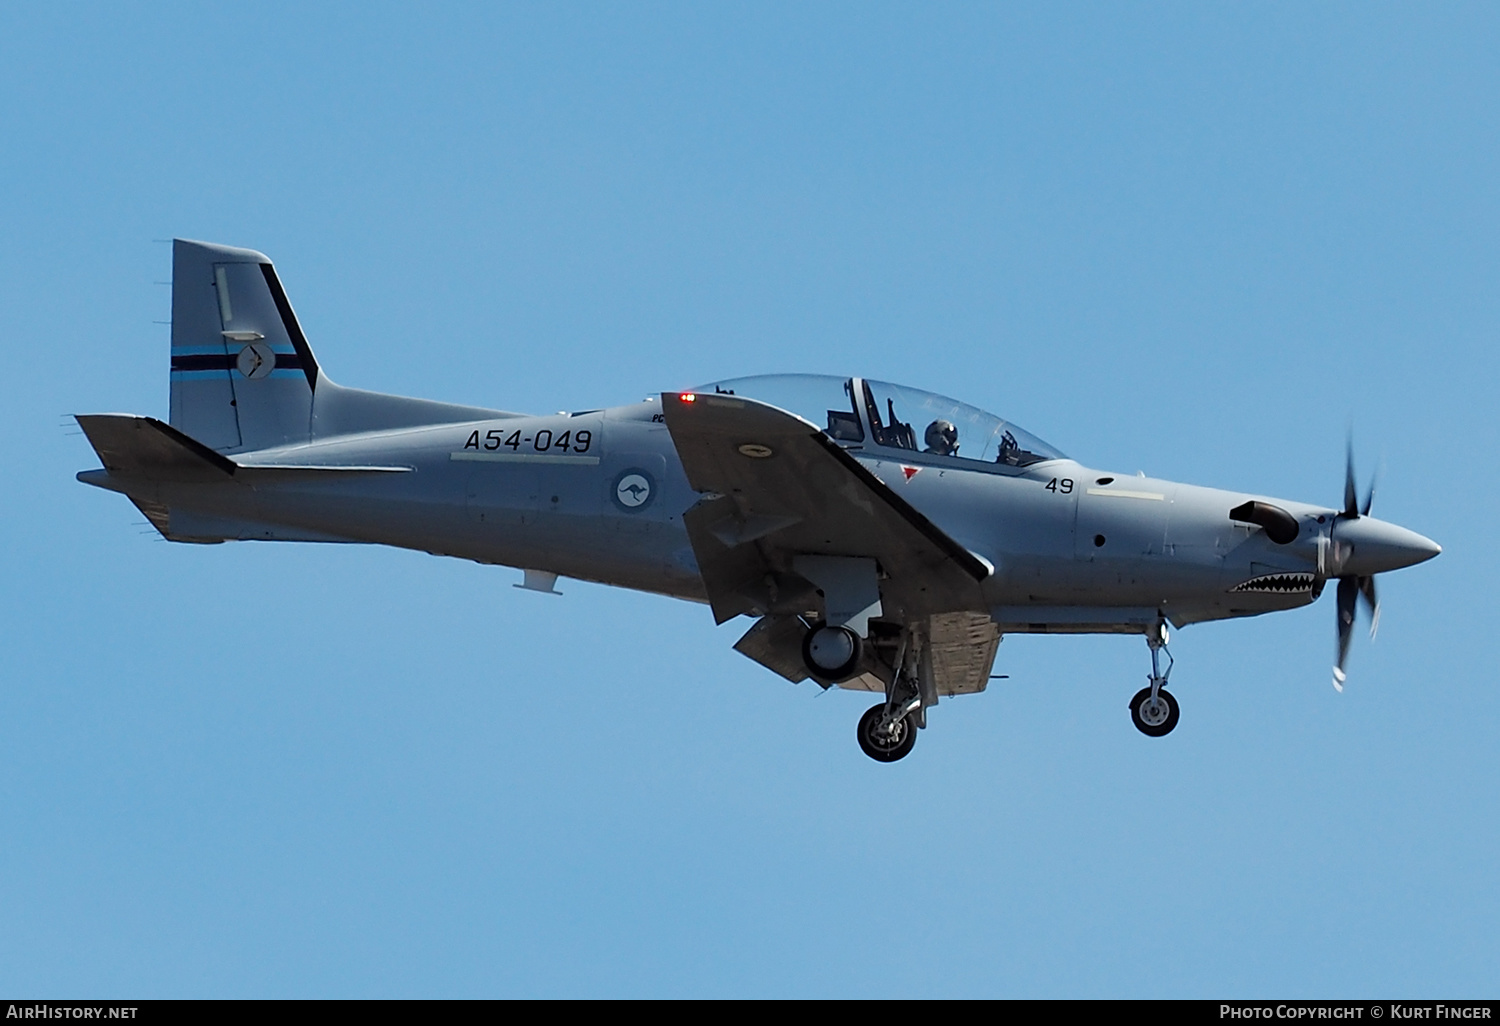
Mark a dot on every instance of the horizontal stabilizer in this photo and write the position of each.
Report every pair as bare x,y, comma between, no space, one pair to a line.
144,448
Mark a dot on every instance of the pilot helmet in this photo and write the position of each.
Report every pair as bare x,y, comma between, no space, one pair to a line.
942,438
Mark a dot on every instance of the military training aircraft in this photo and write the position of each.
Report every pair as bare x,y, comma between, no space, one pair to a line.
883,538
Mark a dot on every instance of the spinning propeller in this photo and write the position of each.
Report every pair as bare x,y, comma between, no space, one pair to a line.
1352,587
1357,548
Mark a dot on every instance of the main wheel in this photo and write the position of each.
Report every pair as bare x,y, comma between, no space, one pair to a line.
831,653
1154,719
885,745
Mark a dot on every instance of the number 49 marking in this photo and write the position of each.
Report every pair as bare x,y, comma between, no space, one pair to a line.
1056,486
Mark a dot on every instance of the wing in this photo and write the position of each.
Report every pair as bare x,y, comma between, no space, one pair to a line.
775,489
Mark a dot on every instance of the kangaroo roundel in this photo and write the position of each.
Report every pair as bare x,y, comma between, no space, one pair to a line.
633,489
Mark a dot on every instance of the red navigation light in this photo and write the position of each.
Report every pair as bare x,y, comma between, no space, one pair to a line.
688,397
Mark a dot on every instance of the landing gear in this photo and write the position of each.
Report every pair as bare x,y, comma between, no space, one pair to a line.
884,739
831,653
1154,716
1153,709
888,731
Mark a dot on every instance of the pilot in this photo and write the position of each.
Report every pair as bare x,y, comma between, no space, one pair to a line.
942,438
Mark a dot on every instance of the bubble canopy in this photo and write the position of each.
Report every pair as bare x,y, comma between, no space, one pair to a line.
880,415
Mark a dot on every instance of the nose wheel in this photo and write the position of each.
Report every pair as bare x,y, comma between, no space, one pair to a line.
883,739
1154,716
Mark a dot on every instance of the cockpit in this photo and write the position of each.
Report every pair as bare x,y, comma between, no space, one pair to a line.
863,412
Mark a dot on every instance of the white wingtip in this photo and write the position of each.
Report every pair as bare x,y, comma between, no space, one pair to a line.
1338,680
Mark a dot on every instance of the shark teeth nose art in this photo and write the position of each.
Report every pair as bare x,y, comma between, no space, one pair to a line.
1280,584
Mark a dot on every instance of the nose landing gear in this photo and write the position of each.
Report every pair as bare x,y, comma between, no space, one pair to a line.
1153,709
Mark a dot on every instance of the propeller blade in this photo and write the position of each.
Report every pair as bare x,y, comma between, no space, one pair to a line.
1351,502
1367,591
1348,595
1364,510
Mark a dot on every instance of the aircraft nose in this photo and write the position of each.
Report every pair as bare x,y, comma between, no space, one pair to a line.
1378,546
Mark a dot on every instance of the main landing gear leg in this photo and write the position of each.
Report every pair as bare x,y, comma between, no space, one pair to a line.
888,730
1153,709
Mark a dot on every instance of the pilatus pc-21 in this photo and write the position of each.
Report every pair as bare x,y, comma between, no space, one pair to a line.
880,538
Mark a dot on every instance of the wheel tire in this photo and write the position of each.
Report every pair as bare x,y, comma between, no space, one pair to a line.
1154,726
831,642
881,748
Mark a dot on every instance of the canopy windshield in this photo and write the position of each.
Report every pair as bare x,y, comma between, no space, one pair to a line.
882,415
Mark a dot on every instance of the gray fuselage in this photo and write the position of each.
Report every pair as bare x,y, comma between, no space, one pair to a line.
599,496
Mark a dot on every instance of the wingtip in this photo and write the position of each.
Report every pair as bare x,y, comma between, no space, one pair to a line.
1338,680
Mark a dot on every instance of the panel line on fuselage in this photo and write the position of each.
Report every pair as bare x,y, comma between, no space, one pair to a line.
522,457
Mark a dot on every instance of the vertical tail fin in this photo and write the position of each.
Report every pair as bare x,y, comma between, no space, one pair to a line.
243,375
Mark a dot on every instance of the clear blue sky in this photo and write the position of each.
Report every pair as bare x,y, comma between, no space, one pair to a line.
1196,240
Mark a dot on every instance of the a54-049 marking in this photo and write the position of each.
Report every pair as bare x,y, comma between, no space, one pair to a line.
576,442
